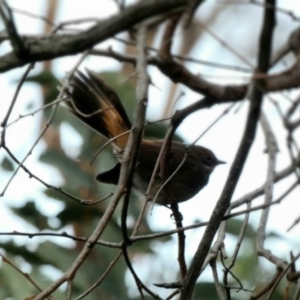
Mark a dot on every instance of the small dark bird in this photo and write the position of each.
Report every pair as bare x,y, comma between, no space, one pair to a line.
98,106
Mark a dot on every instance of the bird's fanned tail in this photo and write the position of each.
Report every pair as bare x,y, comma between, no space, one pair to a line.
95,103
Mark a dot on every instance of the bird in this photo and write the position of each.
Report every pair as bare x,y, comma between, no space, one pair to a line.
97,105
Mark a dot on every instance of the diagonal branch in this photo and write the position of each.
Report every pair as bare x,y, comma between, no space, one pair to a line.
178,73
223,203
16,41
48,47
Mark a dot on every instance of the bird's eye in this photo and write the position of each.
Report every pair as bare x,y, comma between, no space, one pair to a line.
208,158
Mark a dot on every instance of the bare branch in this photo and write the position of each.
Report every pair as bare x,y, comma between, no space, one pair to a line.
58,46
223,203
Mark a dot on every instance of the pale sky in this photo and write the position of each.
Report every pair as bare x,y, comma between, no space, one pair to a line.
223,139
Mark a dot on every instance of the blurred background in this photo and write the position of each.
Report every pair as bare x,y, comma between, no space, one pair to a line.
61,158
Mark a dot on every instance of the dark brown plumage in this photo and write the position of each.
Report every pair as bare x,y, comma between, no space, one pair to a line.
97,105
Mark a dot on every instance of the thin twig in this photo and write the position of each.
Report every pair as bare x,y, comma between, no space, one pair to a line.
223,203
216,281
261,235
132,147
26,275
62,234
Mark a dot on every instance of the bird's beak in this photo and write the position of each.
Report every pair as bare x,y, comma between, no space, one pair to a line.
221,162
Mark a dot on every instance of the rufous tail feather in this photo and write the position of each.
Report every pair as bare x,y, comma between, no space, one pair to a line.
95,103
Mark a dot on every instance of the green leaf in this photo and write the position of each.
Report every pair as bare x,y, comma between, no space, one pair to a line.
30,256
234,225
71,170
49,82
32,215
7,164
